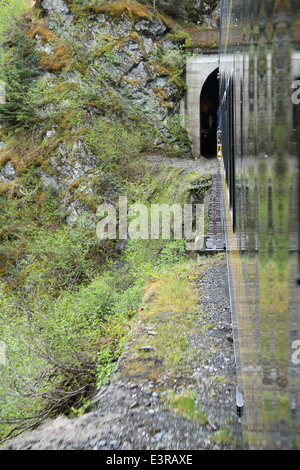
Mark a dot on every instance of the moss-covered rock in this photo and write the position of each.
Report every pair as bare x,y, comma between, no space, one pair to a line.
195,11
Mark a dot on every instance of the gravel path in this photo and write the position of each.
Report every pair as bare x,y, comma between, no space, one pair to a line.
131,414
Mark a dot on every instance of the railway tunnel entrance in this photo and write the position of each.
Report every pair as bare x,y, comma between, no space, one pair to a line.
209,103
200,105
199,110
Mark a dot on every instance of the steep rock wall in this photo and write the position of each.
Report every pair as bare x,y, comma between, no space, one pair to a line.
197,11
118,63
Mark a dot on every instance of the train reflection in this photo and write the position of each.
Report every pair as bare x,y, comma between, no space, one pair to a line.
259,132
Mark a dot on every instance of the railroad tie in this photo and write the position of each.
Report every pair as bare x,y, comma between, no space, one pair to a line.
215,239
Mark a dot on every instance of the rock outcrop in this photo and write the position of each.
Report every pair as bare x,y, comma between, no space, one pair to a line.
198,11
122,62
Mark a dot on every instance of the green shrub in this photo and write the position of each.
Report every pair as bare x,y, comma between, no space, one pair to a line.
57,260
52,201
59,351
51,352
31,178
10,11
21,68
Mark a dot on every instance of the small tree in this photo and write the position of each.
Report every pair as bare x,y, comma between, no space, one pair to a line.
10,14
19,71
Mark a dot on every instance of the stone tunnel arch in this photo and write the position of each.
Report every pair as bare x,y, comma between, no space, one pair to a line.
198,70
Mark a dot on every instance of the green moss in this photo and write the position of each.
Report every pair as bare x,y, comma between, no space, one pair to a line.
130,8
178,35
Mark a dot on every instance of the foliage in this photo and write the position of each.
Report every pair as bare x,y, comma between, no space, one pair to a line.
10,14
71,340
67,303
69,347
114,144
147,258
19,71
59,351
52,201
172,60
57,260
31,179
179,138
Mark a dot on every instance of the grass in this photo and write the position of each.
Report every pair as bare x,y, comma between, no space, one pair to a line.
225,436
170,308
174,292
185,404
169,304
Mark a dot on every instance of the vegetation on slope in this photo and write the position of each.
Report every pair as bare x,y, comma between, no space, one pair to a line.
67,299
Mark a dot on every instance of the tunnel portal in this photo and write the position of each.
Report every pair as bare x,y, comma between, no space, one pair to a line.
202,98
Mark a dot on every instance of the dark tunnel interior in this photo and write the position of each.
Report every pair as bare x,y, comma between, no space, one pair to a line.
209,103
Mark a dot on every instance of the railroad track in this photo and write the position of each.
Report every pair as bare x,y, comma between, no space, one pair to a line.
215,238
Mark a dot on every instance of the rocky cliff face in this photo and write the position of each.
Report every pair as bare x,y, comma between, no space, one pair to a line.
197,11
107,68
109,88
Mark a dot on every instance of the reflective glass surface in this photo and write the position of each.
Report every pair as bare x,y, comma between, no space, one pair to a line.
260,133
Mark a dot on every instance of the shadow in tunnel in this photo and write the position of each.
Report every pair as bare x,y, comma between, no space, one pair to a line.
209,103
